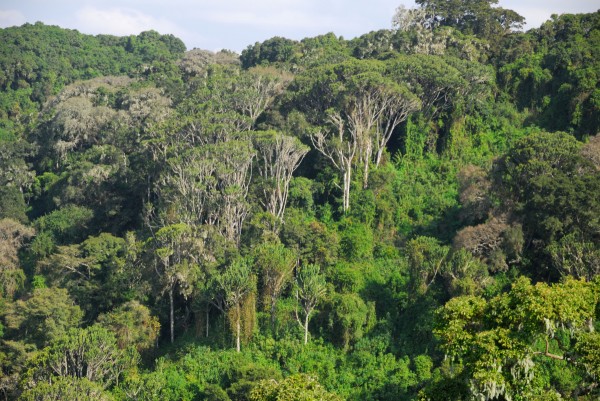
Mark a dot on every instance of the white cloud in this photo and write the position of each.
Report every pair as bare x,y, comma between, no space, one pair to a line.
122,21
11,18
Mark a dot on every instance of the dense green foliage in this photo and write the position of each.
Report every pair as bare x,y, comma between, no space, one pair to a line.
408,215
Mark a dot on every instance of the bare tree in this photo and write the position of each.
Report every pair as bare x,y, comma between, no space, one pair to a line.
375,110
371,109
279,156
257,88
206,185
233,173
362,114
395,108
185,186
340,148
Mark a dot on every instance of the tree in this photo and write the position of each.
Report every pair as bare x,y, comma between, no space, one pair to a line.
89,136
588,353
296,387
405,19
350,318
415,33
356,240
67,388
357,104
206,185
494,241
310,288
442,82
554,74
82,115
572,256
196,62
473,17
553,189
278,157
133,326
276,264
374,107
43,316
364,106
90,353
238,285
206,178
66,225
92,271
396,105
15,171
233,174
276,49
340,148
177,264
427,260
186,187
591,151
316,242
226,101
474,193
466,274
12,204
499,342
257,88
12,237
76,124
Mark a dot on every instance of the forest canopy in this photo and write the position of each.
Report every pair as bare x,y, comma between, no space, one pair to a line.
412,214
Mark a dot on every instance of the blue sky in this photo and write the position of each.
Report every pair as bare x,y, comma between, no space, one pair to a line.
235,24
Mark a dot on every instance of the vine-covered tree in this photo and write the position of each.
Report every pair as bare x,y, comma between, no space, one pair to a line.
276,265
12,237
309,289
176,265
238,284
500,343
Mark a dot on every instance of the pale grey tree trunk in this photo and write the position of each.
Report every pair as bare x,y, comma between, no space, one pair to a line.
171,315
346,189
306,329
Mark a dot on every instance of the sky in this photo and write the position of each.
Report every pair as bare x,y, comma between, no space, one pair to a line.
236,24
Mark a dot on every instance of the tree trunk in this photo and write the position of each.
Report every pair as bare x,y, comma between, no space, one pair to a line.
366,173
306,329
346,195
238,329
379,156
171,315
367,161
207,317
